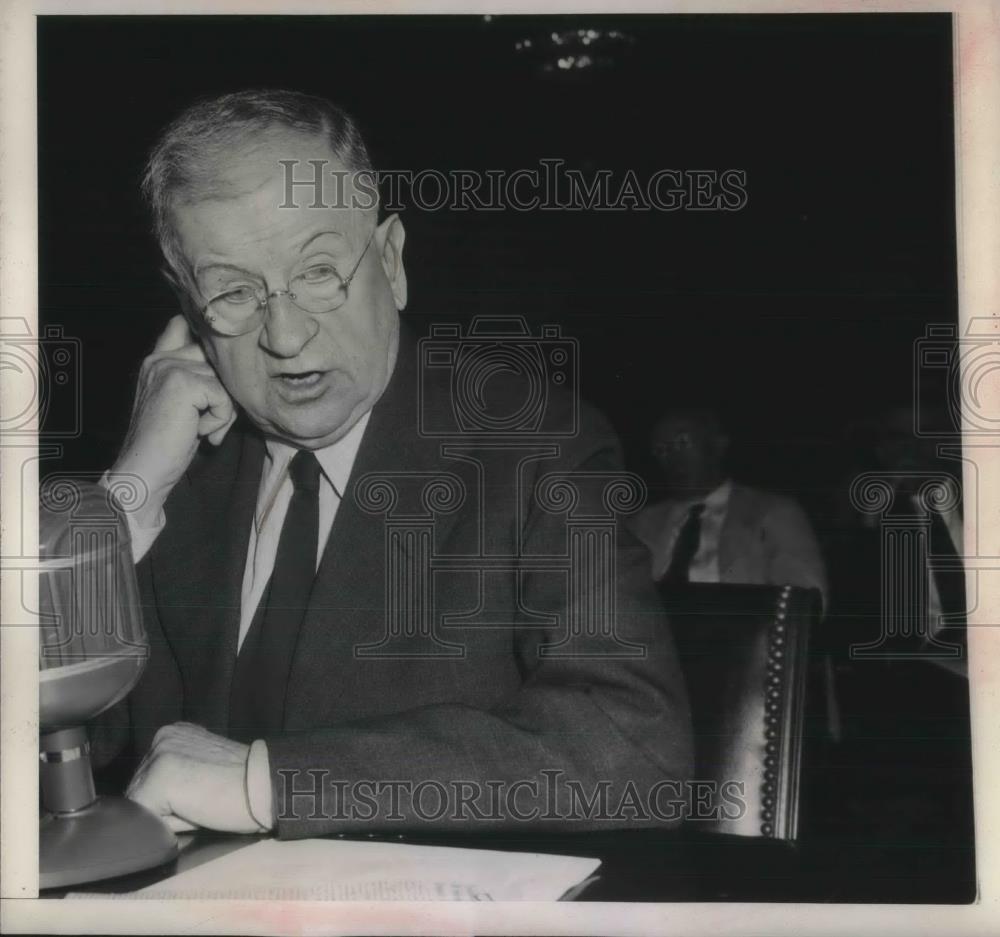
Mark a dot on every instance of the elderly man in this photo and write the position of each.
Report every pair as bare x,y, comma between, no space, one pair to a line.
712,529
272,699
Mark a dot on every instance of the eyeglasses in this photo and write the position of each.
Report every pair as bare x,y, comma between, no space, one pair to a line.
242,307
680,443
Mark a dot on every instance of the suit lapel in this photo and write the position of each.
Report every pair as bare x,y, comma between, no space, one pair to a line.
347,607
198,572
731,536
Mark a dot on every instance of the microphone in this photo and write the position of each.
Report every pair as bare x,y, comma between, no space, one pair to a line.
92,651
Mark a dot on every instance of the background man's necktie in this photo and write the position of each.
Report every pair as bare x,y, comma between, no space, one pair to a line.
686,546
257,704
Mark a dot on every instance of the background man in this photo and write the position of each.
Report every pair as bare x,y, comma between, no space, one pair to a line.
906,461
713,529
896,632
258,417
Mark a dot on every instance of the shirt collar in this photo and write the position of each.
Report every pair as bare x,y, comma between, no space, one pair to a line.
336,461
715,500
719,498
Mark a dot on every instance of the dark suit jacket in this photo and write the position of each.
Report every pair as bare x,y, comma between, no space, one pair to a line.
499,709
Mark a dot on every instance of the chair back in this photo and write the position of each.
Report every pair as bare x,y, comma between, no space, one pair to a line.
744,653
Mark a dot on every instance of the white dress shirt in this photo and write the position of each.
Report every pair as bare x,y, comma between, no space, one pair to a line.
705,563
273,497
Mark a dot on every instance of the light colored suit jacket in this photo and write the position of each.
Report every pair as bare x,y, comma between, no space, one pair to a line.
766,539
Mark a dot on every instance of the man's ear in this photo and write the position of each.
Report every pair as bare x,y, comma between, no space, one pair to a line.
390,238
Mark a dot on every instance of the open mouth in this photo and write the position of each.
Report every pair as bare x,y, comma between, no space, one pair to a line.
301,378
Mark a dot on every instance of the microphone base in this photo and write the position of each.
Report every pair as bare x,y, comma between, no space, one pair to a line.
112,836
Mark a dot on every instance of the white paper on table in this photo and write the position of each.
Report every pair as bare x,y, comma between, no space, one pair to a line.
341,870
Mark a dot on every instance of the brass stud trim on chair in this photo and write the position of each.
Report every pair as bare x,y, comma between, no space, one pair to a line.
775,689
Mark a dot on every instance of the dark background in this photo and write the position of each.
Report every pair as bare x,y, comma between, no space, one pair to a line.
796,315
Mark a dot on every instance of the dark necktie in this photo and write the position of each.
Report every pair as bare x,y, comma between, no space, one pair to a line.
257,703
686,546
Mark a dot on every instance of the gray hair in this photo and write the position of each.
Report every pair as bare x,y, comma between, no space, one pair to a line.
183,166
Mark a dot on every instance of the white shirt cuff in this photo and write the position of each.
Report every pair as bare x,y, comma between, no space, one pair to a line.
259,785
143,538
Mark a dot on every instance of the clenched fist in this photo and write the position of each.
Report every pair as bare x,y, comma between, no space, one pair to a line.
193,778
179,400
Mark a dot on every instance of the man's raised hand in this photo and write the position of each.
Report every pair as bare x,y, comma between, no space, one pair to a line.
179,400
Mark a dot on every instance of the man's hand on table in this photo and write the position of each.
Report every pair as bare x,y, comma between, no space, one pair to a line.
193,778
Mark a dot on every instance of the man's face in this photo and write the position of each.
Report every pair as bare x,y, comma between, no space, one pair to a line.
687,452
305,378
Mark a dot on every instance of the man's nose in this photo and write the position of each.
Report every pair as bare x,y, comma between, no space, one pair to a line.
287,328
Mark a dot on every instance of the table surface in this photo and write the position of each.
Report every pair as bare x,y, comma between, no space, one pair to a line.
678,865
